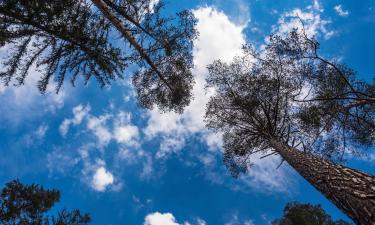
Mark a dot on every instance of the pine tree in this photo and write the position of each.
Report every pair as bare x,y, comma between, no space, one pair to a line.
72,38
162,47
260,106
29,204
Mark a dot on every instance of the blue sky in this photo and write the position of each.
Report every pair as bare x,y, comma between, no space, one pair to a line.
127,165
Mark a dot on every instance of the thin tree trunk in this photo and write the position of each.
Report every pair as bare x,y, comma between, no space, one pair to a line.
352,191
103,7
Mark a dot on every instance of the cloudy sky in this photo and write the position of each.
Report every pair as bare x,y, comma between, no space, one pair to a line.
127,165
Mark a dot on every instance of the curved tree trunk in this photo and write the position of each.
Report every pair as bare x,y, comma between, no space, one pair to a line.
352,191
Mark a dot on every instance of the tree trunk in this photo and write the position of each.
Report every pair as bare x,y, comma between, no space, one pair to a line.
352,191
103,7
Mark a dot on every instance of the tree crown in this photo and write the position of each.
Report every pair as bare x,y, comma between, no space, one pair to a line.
29,204
307,214
288,92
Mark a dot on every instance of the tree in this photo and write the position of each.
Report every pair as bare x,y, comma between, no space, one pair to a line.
70,38
162,46
28,204
306,214
258,107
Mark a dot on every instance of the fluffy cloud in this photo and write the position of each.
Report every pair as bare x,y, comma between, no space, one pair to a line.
98,131
340,11
79,113
122,131
169,145
124,134
158,218
98,127
314,24
101,179
84,164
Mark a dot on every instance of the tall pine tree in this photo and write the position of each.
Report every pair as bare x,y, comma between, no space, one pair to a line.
281,102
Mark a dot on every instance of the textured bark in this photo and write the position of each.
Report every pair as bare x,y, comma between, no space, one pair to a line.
352,191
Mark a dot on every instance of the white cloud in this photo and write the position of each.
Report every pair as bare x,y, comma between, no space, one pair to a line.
124,134
98,126
26,102
169,145
153,3
132,156
158,218
79,113
64,127
41,131
314,24
340,11
84,164
243,16
214,140
101,179
235,220
201,221
61,161
122,131
264,176
219,38
98,131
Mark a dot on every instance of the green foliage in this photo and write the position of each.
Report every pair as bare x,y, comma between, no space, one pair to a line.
72,39
306,214
29,205
60,38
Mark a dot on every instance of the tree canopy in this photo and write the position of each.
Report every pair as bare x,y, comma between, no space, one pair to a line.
75,39
29,204
283,91
306,214
60,38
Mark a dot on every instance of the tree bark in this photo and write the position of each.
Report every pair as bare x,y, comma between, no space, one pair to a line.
352,191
